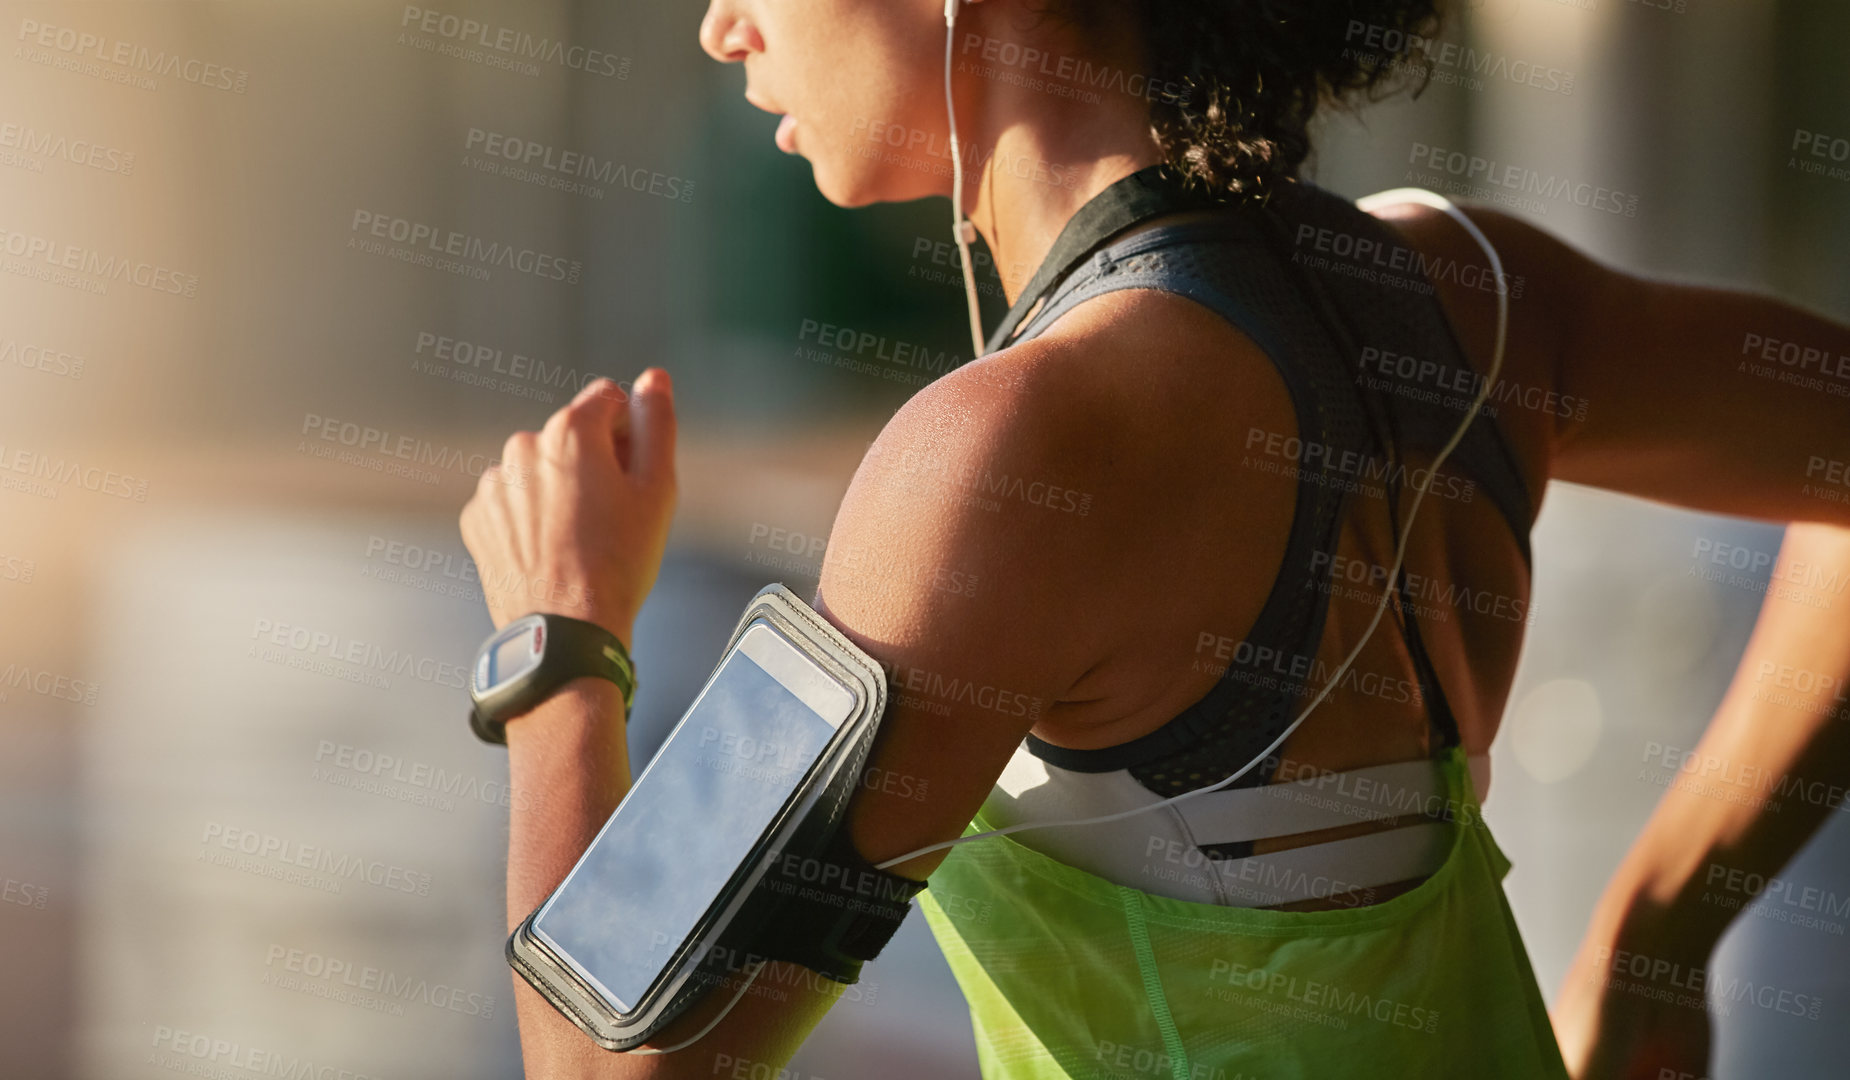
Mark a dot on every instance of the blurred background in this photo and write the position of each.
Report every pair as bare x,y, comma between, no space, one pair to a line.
219,167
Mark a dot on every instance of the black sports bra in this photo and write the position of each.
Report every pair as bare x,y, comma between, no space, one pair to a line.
1338,304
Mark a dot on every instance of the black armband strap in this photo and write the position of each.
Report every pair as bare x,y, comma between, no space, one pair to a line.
834,911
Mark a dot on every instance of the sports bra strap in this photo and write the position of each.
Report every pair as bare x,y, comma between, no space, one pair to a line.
1325,801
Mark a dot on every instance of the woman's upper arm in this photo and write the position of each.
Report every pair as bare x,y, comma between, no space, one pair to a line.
964,560
1714,399
1693,403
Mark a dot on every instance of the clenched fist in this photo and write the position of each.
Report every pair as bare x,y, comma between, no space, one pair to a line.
574,519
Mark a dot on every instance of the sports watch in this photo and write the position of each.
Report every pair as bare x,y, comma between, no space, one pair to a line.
526,661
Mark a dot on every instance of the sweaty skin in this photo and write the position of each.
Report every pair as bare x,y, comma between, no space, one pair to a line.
1145,404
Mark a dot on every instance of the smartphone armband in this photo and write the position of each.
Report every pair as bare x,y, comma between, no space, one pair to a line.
805,895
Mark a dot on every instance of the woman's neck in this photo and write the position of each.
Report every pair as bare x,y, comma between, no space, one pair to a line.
1021,218
1037,157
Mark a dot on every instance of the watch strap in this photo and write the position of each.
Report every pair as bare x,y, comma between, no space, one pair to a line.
573,649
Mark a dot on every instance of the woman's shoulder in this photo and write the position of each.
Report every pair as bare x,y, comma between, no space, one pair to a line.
1076,450
1126,374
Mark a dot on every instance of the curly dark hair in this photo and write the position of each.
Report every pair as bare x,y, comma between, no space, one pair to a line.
1250,74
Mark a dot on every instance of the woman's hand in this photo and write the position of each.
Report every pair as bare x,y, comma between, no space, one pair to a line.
1613,1024
574,519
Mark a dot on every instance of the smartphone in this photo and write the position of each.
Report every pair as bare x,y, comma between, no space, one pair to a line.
637,914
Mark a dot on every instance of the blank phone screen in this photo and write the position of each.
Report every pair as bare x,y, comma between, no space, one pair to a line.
692,818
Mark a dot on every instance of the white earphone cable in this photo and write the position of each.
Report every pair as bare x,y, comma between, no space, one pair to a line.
961,229
751,976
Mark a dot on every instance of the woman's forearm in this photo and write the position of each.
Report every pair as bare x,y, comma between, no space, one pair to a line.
1773,764
568,767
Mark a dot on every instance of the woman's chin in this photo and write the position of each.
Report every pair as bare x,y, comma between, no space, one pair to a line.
846,188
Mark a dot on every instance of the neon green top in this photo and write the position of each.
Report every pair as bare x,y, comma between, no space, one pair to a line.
1069,975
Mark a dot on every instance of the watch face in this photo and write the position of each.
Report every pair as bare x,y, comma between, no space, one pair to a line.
514,652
